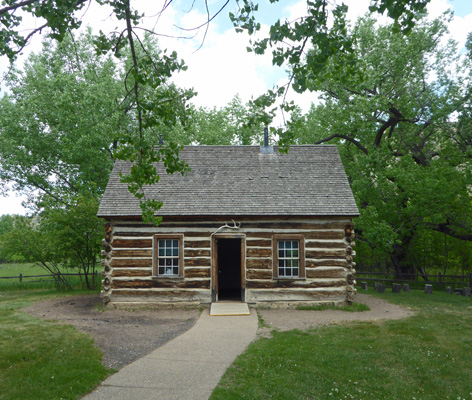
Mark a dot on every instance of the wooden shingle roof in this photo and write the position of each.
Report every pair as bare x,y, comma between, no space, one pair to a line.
239,180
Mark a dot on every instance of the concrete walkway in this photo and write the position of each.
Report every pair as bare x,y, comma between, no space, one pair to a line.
188,367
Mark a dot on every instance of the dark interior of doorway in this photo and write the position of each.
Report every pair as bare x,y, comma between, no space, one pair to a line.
229,269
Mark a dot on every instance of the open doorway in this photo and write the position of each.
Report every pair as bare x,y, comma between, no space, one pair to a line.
229,269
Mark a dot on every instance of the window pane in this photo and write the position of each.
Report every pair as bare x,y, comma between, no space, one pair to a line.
168,243
162,262
288,258
176,270
175,251
161,270
161,252
162,243
175,243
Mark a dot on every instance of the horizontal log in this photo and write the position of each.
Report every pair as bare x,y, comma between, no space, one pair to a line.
197,234
151,231
325,245
131,272
197,272
334,272
267,235
295,225
119,232
325,253
259,274
131,253
116,262
273,284
133,243
259,252
196,244
211,226
196,253
160,295
261,263
325,263
197,262
324,235
161,283
336,294
259,243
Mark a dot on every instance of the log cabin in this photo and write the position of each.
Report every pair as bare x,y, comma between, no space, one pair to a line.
248,224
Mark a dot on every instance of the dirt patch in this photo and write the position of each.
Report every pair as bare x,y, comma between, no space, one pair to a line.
126,335
122,335
284,320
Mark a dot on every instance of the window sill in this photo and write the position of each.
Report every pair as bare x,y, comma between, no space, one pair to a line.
169,277
284,278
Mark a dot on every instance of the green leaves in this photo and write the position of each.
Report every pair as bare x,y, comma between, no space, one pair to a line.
394,123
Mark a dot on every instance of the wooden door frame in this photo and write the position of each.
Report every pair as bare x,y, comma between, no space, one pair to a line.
214,262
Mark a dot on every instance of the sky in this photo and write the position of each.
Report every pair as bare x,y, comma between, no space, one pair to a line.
219,67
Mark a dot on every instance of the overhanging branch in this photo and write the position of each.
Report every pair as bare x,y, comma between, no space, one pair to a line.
348,138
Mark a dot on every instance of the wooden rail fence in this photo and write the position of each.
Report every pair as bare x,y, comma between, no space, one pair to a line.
440,280
22,277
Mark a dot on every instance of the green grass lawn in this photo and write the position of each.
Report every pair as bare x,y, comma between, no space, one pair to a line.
32,269
14,269
427,356
43,359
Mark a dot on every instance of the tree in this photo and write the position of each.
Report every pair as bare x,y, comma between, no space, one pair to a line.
233,124
409,162
58,149
148,71
30,242
60,153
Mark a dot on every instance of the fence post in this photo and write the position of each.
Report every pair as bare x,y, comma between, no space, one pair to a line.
21,278
440,280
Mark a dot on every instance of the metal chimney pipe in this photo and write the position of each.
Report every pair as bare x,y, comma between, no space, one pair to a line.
266,149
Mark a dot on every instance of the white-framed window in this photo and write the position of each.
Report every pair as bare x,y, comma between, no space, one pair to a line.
289,256
168,255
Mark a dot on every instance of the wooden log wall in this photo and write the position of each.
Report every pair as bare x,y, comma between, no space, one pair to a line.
329,267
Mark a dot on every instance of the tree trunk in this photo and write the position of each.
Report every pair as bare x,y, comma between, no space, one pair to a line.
403,269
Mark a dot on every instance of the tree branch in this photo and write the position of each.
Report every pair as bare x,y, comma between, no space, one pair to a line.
348,138
447,230
16,6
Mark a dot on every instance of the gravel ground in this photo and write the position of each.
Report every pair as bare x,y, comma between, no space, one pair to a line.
122,335
126,335
284,320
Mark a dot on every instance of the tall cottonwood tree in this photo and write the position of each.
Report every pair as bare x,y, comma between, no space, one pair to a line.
58,138
62,16
401,123
58,124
